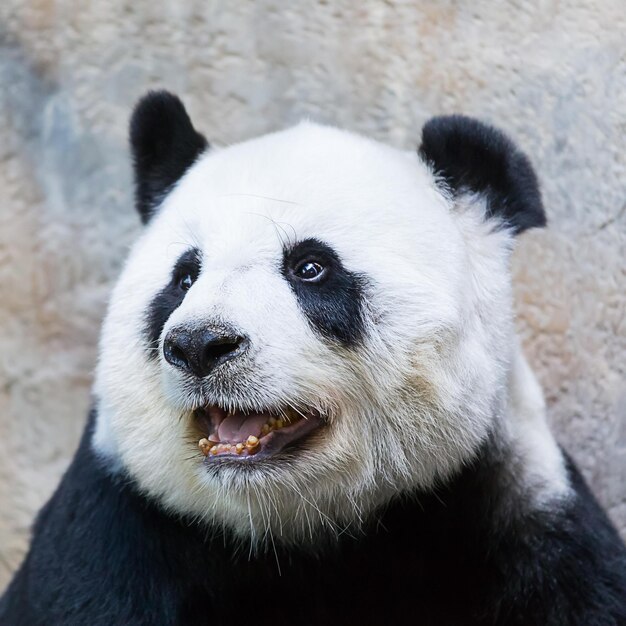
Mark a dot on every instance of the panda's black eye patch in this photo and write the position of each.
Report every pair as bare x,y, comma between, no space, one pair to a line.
184,275
187,269
329,295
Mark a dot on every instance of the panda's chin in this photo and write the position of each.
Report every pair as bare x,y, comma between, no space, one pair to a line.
251,436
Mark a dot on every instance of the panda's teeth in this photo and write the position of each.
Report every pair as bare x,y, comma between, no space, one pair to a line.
212,445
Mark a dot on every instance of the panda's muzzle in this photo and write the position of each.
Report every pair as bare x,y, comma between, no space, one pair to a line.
252,435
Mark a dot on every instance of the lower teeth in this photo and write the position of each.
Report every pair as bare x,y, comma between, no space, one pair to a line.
213,447
205,446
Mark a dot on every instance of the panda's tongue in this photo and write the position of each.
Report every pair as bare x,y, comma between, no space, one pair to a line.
239,427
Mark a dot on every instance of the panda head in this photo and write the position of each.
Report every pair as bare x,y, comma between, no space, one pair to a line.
329,317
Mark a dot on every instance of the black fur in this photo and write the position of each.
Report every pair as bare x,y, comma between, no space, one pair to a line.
466,555
473,157
333,306
164,145
170,297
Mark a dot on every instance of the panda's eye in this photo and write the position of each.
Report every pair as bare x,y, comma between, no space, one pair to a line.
311,271
185,282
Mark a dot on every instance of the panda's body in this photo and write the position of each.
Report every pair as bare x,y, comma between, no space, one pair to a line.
333,324
102,554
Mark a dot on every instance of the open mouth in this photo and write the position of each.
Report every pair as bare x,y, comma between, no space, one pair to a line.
251,435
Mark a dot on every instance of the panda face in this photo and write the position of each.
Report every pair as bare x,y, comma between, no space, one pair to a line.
309,325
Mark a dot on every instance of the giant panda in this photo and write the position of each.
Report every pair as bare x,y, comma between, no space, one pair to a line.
310,404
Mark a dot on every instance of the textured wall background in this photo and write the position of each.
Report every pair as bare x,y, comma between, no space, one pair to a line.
550,72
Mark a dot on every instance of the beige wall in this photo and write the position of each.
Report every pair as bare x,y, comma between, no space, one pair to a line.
551,73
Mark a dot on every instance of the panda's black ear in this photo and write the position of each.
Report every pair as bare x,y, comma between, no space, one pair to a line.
474,158
164,145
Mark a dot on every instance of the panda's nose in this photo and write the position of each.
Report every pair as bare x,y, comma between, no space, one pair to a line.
199,351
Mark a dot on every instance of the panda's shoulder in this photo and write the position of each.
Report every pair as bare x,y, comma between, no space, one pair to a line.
91,543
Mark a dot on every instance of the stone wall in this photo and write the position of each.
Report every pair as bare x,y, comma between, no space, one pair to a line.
551,73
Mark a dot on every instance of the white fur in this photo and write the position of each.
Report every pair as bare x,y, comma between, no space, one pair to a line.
542,461
406,409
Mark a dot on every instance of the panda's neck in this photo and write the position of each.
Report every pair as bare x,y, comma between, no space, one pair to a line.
534,460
